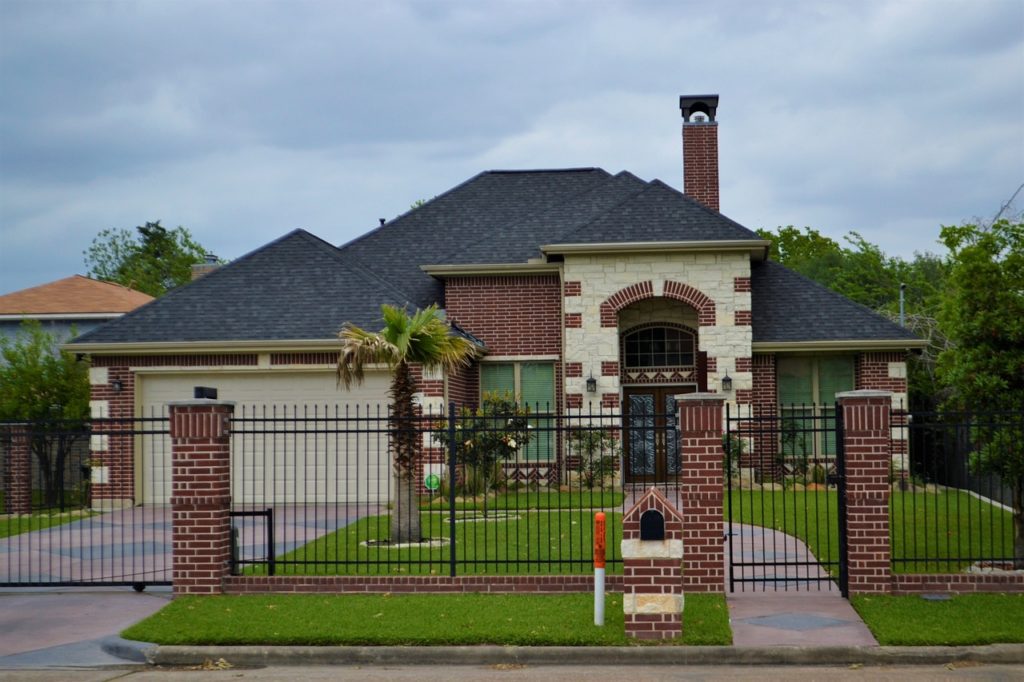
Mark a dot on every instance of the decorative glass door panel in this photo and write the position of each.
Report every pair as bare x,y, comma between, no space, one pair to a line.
651,441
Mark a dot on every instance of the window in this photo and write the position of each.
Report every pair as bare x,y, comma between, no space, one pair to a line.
807,394
533,383
658,347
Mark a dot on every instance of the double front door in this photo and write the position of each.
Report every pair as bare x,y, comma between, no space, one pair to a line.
651,432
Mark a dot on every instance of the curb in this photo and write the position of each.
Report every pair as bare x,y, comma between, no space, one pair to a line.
129,650
647,655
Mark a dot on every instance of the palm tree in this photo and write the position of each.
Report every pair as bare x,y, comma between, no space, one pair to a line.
423,338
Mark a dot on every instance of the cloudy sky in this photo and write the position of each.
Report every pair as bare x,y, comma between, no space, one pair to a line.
244,120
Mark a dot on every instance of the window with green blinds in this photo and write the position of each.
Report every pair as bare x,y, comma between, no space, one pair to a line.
533,383
807,389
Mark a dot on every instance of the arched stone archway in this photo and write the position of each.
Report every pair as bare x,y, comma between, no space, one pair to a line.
640,291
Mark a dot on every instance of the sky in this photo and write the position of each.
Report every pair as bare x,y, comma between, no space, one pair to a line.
245,120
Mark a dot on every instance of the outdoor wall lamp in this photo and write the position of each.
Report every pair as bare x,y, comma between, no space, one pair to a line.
591,384
727,382
117,385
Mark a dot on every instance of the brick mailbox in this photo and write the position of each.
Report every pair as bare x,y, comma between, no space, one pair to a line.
652,555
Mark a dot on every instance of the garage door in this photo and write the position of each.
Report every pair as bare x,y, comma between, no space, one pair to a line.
297,438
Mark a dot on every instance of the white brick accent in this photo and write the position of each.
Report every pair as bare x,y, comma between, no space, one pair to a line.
99,443
98,376
897,370
99,409
652,549
652,603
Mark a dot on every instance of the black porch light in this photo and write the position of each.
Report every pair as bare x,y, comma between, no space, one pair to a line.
727,382
591,384
117,385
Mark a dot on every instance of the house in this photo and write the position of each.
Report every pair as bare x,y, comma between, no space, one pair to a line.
75,302
589,290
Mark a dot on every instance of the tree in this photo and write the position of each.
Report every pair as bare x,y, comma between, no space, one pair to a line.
983,316
485,438
48,388
424,339
155,261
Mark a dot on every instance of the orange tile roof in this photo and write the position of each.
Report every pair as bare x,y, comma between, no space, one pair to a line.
72,295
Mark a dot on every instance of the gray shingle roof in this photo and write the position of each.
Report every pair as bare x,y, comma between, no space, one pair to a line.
297,287
300,287
786,306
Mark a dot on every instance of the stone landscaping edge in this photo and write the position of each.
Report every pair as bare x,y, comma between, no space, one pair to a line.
555,655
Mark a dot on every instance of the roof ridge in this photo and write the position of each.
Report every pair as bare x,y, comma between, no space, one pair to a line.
535,214
648,185
706,209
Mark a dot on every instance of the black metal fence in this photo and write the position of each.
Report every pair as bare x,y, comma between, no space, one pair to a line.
72,510
784,474
950,511
505,492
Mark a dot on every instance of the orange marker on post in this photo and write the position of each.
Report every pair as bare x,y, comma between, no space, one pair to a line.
599,552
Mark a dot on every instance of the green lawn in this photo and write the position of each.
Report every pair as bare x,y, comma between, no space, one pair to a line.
421,620
546,499
546,541
15,525
967,619
947,525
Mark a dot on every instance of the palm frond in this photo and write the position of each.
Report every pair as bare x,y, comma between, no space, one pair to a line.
360,348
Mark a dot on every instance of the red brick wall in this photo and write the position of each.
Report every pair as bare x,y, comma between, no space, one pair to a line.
700,163
701,498
872,372
515,315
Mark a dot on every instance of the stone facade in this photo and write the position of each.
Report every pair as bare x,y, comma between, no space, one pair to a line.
618,291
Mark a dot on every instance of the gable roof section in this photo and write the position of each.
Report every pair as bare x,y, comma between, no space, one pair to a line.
75,295
788,308
298,287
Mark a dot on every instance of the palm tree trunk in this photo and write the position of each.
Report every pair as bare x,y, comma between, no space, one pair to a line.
405,446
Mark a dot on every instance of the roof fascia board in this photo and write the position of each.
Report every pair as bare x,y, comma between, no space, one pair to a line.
852,344
758,248
491,269
59,316
179,347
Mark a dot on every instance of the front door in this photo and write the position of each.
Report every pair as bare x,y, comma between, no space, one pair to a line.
650,442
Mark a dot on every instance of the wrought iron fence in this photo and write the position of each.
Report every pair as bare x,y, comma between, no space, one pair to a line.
507,492
950,511
72,509
784,474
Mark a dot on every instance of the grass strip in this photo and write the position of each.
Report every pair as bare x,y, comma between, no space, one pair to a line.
27,523
513,543
963,620
537,499
417,620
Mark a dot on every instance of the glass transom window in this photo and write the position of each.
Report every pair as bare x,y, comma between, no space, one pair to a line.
658,347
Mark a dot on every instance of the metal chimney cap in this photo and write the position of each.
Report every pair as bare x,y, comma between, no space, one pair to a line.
692,104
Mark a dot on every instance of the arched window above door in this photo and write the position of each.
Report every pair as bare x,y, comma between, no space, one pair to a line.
653,346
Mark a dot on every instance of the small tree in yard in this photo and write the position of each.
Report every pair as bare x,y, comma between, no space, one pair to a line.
424,339
485,438
983,315
49,389
596,451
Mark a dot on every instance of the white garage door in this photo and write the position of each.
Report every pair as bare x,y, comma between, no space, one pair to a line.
298,438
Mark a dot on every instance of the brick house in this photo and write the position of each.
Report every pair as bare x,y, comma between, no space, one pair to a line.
589,290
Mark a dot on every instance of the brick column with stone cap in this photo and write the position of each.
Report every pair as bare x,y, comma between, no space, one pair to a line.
17,481
700,491
866,444
652,550
200,494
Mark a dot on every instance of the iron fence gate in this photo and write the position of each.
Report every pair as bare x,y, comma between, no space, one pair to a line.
785,498
71,506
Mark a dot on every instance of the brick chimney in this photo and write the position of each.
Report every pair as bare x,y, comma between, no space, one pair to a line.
210,264
700,148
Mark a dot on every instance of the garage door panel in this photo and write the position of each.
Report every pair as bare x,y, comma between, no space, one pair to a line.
280,451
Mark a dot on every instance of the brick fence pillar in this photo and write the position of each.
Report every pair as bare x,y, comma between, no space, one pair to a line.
652,550
18,472
700,491
200,495
866,439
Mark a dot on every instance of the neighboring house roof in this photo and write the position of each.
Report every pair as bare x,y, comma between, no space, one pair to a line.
72,297
788,307
302,288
